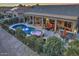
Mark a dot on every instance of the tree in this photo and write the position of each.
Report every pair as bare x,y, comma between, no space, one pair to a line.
54,47
73,48
20,5
37,4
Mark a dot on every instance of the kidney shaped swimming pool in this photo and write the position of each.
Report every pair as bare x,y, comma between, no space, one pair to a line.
26,29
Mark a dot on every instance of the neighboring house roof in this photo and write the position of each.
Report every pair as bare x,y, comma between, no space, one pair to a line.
4,9
69,10
14,8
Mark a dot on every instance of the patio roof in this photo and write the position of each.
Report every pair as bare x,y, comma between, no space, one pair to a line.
52,15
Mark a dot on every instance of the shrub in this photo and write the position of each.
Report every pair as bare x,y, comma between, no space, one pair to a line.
6,22
4,26
73,48
11,31
35,43
54,46
31,41
1,16
11,21
39,45
20,34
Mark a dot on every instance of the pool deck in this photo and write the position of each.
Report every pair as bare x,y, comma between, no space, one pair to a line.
47,33
10,46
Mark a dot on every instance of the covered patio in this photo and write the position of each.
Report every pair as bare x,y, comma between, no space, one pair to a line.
51,22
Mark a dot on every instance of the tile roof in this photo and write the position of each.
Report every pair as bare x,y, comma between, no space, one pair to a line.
70,10
52,15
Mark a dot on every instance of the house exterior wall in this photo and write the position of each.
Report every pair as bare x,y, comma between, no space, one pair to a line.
56,21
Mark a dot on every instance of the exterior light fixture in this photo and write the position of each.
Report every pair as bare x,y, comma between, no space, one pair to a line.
75,31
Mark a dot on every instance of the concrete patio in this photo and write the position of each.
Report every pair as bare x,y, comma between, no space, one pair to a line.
10,46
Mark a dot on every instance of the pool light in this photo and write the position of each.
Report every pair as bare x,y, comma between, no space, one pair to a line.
25,29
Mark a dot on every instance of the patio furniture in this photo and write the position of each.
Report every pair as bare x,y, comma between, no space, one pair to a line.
49,26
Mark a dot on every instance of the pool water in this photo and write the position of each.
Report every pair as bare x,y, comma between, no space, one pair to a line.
26,29
19,26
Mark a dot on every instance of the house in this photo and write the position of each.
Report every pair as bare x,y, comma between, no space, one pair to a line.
62,17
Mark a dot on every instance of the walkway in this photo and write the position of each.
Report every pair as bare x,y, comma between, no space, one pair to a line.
9,45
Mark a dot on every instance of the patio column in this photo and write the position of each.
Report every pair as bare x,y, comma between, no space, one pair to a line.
24,19
55,24
33,20
19,19
73,26
29,19
42,21
13,15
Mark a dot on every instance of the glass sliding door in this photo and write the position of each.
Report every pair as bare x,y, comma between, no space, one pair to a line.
38,21
68,26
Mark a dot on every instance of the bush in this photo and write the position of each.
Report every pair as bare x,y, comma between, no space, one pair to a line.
1,16
20,34
39,45
73,48
53,47
6,22
11,21
11,31
4,26
35,43
31,41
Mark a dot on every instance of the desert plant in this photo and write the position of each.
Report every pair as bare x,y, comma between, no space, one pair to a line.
54,46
